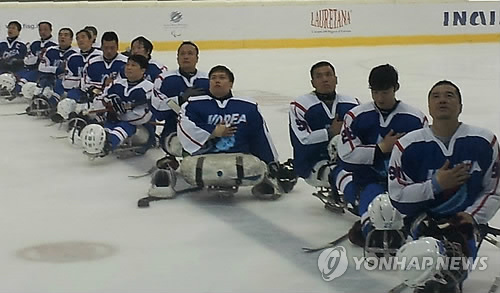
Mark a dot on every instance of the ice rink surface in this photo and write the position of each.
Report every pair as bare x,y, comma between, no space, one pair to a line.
72,225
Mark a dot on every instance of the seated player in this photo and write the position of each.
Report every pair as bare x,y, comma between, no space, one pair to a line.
444,179
220,125
315,119
125,104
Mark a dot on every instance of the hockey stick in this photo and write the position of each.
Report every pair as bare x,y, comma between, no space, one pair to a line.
145,201
149,172
398,288
495,285
328,245
13,114
174,106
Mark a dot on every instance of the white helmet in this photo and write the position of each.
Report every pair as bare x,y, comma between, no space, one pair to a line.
93,139
28,90
383,216
7,81
65,107
432,264
333,146
387,236
47,92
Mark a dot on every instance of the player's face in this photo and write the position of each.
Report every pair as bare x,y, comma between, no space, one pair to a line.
138,49
444,103
109,49
65,39
83,41
324,80
384,99
133,71
220,85
12,31
44,31
187,58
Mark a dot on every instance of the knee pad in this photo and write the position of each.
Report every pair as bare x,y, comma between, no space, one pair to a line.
319,174
223,170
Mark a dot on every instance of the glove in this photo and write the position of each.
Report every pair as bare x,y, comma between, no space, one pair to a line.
284,174
118,105
190,92
61,70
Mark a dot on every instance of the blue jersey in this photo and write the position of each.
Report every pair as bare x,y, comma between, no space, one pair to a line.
417,156
309,121
172,84
74,67
134,96
364,127
97,70
12,55
154,70
53,61
35,51
200,115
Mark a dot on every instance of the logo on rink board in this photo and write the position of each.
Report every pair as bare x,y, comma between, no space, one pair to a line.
331,20
176,25
333,263
471,18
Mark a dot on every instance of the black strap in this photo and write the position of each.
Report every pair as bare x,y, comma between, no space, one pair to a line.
199,171
239,169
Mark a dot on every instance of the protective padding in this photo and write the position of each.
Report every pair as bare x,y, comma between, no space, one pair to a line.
224,170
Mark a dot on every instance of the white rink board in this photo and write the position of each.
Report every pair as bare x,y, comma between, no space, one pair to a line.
168,22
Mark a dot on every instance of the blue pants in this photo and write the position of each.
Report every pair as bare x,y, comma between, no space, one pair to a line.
118,132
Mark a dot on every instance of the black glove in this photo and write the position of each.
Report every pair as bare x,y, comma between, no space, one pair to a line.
119,106
190,92
284,173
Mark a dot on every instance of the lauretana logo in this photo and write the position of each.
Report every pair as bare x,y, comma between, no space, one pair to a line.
330,18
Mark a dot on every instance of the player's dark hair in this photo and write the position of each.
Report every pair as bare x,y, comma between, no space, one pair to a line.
91,29
222,68
141,60
109,36
321,64
67,29
86,32
446,82
145,42
47,23
191,44
16,23
383,77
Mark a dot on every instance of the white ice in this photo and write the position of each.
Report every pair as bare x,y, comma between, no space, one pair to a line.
50,192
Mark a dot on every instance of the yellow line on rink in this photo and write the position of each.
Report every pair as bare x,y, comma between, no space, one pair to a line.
330,42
